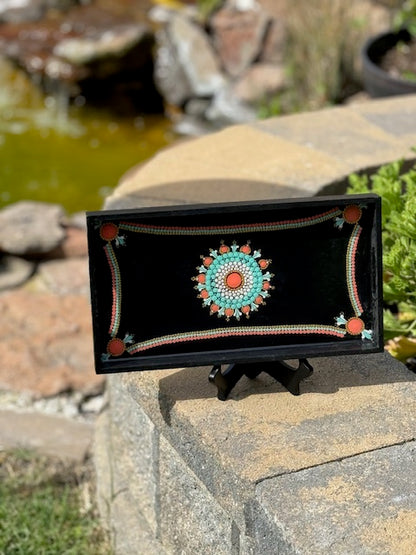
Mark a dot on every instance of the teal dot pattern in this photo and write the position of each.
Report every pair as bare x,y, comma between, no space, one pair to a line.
220,297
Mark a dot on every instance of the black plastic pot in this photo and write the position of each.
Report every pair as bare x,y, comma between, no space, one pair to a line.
378,82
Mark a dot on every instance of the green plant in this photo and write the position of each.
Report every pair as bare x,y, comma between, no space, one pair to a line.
405,17
398,193
206,7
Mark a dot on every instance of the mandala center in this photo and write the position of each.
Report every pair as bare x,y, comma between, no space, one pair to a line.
234,280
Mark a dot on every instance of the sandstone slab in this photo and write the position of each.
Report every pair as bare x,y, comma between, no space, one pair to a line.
74,244
46,344
64,277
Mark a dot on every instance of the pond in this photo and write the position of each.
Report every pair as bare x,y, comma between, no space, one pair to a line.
71,155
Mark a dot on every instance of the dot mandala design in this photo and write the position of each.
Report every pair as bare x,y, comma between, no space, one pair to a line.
233,280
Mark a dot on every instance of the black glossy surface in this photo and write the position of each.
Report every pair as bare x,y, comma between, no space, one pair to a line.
158,295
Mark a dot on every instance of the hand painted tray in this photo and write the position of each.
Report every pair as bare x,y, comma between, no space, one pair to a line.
237,282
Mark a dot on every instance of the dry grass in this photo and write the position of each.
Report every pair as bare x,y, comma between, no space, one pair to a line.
325,37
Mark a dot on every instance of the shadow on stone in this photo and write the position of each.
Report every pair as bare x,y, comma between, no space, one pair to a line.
330,375
202,191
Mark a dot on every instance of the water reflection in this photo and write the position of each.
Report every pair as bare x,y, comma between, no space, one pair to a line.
74,155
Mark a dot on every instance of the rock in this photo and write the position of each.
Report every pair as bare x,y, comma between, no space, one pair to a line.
100,43
186,64
238,38
46,344
242,5
197,107
31,228
260,82
18,11
105,56
227,109
274,42
170,77
49,435
78,220
64,277
74,245
14,271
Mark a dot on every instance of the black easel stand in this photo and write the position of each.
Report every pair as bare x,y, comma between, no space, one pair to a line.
288,376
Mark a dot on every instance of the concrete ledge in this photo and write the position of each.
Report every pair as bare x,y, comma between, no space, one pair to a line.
202,473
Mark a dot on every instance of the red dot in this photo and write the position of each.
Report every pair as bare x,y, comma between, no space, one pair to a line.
352,213
207,261
116,347
109,231
354,326
245,309
266,285
258,300
214,308
224,248
204,294
201,278
234,280
245,249
229,312
263,263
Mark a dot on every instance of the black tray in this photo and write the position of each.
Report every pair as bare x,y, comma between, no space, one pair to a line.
235,283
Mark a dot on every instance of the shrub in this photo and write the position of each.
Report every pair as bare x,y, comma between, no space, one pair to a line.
398,193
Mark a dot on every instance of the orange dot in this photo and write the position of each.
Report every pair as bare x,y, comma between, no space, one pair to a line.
234,280
116,347
245,309
204,294
201,278
229,312
355,326
266,285
352,213
224,248
263,263
258,300
214,307
109,231
207,261
245,249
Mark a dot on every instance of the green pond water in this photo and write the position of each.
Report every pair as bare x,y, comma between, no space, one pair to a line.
69,155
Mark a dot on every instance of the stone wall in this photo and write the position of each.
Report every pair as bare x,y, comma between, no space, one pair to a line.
264,472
